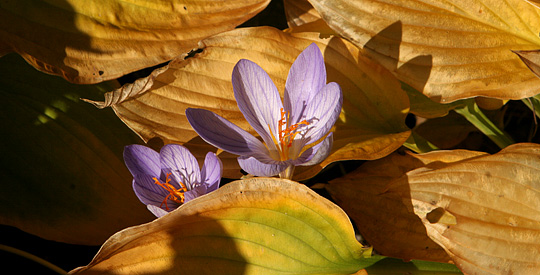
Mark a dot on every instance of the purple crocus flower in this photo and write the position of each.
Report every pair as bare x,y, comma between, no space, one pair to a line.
295,131
165,180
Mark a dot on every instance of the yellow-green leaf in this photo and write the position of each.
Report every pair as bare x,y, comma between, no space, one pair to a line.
63,177
484,211
449,50
92,41
254,226
372,123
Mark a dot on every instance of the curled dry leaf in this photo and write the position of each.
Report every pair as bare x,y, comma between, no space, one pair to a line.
382,219
372,123
92,41
300,12
449,50
485,212
302,17
531,59
254,226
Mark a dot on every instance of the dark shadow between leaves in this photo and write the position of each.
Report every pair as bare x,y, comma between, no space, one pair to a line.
385,218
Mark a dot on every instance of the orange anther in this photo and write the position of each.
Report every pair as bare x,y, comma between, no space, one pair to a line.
287,134
176,195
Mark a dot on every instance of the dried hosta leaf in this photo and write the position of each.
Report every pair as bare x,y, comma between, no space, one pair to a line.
300,12
488,103
371,125
382,218
485,212
62,175
534,2
449,50
531,59
91,41
254,226
424,107
446,132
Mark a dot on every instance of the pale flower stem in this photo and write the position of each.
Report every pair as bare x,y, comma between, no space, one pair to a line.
32,258
287,173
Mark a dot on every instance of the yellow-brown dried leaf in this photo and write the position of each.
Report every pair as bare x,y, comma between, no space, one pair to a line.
372,123
449,50
92,41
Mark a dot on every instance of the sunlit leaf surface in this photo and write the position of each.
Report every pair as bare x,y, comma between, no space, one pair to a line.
449,50
382,219
62,173
255,226
91,41
372,123
485,211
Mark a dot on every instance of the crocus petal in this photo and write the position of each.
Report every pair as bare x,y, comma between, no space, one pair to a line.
257,98
195,192
211,172
317,153
223,134
323,111
158,212
306,77
183,165
257,168
147,190
141,160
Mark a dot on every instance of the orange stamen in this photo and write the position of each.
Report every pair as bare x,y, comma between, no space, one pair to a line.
176,195
287,133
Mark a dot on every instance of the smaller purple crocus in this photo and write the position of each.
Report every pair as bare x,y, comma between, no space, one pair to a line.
295,131
165,180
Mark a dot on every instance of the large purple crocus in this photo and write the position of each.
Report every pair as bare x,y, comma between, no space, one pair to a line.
165,180
295,131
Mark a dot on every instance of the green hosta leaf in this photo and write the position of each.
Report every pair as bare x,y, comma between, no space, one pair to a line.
448,50
88,41
254,226
63,177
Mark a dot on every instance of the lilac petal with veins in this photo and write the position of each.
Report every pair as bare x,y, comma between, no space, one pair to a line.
140,159
306,77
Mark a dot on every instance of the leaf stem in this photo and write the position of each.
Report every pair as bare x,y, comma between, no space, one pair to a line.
475,116
33,258
419,144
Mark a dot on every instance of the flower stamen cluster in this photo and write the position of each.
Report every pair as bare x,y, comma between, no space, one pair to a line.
294,130
164,181
176,195
286,134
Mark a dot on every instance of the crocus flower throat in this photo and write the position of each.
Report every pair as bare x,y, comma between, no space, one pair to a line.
296,128
164,181
286,134
176,195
